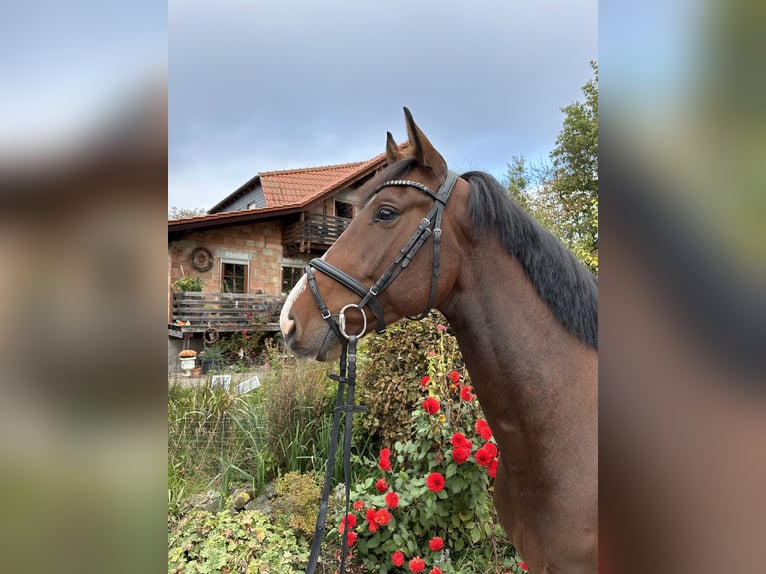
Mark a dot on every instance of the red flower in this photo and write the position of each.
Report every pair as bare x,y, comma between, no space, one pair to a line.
436,543
385,453
453,376
384,464
431,405
382,517
381,485
483,456
392,500
369,516
435,482
359,505
460,454
483,429
417,564
523,566
492,468
435,570
424,381
397,558
351,522
458,440
351,537
491,448
465,394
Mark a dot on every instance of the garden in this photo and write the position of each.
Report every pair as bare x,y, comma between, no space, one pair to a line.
245,471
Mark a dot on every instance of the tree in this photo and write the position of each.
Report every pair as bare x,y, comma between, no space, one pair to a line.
575,173
185,212
563,194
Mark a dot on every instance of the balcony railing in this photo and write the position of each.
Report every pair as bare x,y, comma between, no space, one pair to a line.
316,233
201,311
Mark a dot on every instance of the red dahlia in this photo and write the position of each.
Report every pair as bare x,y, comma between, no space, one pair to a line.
381,485
392,500
382,517
435,482
397,558
458,439
431,405
483,457
417,564
436,543
460,454
465,394
492,468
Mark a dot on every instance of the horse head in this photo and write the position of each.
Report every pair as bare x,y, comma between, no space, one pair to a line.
400,211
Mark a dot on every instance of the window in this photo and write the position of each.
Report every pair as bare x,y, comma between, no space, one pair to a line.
343,209
290,276
233,277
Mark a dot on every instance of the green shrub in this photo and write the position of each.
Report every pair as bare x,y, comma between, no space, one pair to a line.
297,500
249,542
392,362
188,284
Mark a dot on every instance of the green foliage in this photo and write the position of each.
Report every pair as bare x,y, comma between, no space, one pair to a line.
563,195
575,163
461,513
249,542
298,500
187,283
391,362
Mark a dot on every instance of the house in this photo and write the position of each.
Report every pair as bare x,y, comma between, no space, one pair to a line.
249,250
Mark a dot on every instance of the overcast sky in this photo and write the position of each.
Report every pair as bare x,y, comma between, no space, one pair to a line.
260,86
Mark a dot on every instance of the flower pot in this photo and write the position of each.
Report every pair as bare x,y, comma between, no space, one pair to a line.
196,371
188,362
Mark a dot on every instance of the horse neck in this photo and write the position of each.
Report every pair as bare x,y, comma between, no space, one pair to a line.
524,365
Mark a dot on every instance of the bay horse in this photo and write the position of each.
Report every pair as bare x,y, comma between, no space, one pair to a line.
525,315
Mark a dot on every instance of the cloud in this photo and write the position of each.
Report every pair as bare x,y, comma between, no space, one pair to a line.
290,84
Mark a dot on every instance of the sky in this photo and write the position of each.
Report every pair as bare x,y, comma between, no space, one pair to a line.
263,86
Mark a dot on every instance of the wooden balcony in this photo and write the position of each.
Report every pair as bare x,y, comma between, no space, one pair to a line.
198,312
315,234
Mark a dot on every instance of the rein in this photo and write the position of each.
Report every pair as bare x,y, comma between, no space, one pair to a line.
429,226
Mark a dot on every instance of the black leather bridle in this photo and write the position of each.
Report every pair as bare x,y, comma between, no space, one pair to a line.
429,226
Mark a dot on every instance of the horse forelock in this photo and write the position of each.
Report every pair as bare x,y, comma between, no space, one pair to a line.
567,287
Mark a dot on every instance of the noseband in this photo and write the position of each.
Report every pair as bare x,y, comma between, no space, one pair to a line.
429,226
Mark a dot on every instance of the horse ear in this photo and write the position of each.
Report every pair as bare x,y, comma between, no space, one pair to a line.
393,153
423,150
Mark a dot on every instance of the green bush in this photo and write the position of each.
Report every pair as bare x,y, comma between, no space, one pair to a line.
392,362
298,497
248,542
188,284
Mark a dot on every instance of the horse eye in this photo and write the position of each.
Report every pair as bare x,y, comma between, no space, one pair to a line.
385,214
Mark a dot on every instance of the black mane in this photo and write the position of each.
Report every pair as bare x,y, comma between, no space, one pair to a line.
569,289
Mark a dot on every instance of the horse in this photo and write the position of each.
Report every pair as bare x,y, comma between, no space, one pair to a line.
525,315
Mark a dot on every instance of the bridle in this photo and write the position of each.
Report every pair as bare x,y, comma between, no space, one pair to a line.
429,226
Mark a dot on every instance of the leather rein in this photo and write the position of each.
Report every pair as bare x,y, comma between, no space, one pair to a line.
429,226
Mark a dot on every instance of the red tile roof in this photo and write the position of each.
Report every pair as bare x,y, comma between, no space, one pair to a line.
300,186
285,191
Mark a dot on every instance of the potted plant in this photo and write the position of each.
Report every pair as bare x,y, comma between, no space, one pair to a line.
186,283
188,360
